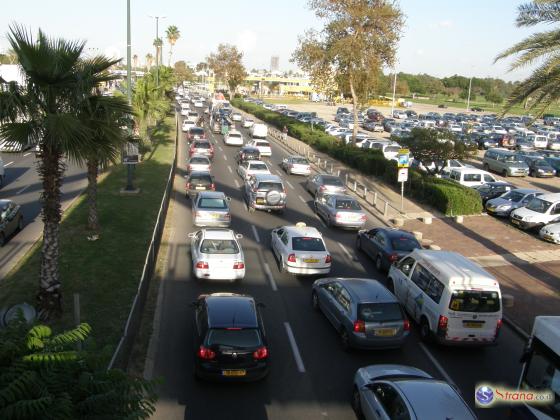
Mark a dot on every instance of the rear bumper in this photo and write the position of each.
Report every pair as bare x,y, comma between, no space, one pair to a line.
466,342
209,372
230,275
349,225
358,340
307,270
211,222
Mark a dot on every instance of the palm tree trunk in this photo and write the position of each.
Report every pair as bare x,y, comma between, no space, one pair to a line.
49,298
355,111
93,217
170,54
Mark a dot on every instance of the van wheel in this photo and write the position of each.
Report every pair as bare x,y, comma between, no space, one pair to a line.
20,224
359,244
344,339
356,404
425,333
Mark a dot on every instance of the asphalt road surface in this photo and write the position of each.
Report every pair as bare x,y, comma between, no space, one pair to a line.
22,185
311,376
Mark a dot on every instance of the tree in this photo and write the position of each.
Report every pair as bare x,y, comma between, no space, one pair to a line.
227,66
149,61
183,72
494,97
543,85
435,147
158,43
173,34
358,39
44,377
44,110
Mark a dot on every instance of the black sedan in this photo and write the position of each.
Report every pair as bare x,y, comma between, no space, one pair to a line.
493,189
11,220
386,246
248,153
230,338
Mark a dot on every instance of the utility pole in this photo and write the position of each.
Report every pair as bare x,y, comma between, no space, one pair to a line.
129,167
394,93
157,18
469,95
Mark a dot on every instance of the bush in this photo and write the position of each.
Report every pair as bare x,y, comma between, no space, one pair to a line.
448,197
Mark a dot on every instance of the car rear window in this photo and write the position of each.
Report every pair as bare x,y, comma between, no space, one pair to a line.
263,144
270,186
333,181
202,145
300,161
212,203
379,312
474,301
347,205
258,166
219,246
306,243
197,131
200,159
405,244
239,339
200,179
391,149
234,135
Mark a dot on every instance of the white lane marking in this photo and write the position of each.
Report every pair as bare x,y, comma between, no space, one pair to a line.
225,157
220,147
26,154
237,184
290,185
9,163
256,233
23,189
438,366
295,350
229,169
302,199
345,251
270,277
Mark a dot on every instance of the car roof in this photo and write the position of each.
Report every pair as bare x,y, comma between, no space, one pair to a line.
266,177
211,194
218,233
199,173
397,233
550,197
310,231
230,310
367,290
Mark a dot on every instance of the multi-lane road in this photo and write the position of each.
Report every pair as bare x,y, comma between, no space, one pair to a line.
311,376
23,186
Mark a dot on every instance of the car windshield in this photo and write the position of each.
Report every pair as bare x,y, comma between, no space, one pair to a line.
404,244
234,135
300,161
333,181
542,162
306,243
234,338
347,205
258,167
474,301
539,205
271,186
379,312
212,203
200,160
513,196
472,177
219,246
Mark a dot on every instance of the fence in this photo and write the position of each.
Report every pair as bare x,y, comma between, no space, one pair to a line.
124,348
372,197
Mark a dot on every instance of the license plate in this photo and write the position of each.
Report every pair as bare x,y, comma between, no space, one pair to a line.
238,372
260,200
310,260
548,237
472,324
515,221
216,216
385,332
199,188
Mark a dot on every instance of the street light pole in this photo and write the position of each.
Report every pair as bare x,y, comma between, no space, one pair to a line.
157,18
394,93
129,168
469,95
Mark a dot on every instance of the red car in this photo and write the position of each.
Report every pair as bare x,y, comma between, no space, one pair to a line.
195,133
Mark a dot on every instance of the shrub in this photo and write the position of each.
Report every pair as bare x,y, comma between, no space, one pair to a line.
447,196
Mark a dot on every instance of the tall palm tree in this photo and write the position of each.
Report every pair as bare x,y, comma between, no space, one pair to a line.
44,109
149,61
543,85
173,34
158,43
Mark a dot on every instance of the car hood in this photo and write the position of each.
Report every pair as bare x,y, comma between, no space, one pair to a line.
553,228
524,212
498,201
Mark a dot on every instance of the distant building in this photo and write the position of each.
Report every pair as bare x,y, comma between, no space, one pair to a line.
274,63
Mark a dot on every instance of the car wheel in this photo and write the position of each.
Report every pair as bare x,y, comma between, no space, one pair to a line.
356,404
282,266
379,263
504,173
359,243
485,167
344,339
329,222
314,301
2,240
391,285
425,333
20,224
250,208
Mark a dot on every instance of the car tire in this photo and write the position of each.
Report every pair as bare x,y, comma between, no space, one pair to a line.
425,333
504,173
379,263
20,224
485,167
282,266
2,240
315,301
329,222
356,404
359,244
344,339
391,285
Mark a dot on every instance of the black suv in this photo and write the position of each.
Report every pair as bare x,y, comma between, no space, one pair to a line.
230,338
248,153
198,181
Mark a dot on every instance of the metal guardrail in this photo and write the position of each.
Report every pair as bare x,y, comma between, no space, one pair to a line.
369,195
124,347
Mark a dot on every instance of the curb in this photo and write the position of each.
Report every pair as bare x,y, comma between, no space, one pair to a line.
516,328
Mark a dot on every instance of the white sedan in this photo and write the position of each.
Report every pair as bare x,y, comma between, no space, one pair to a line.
252,167
233,138
551,233
198,104
262,145
187,124
236,116
217,255
247,123
300,249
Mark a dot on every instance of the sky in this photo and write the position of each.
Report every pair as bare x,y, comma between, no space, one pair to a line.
440,37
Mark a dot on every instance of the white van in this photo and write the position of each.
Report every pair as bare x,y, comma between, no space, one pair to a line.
259,131
470,177
540,141
454,300
540,211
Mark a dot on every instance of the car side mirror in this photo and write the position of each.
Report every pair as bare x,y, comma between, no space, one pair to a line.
238,236
191,235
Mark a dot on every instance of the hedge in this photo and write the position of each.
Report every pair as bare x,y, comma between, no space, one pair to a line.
450,198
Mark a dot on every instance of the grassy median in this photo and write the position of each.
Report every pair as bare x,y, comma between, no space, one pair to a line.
105,272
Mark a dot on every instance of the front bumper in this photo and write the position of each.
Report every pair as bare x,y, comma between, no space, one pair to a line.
555,239
524,225
495,212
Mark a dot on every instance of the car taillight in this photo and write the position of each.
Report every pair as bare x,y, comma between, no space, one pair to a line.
205,353
363,217
393,258
322,188
359,326
261,353
292,258
442,323
328,259
238,266
406,325
213,187
227,216
498,326
190,167
202,264
188,186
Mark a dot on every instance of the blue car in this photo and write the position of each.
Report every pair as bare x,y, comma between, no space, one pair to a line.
386,246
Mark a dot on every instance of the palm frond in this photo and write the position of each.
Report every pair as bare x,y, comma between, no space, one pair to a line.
66,133
532,48
537,12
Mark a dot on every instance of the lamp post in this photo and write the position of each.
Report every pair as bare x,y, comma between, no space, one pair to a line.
394,93
157,18
129,167
469,95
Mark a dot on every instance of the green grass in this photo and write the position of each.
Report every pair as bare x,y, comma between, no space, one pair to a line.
106,272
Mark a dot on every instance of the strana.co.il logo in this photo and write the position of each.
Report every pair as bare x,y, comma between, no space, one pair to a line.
486,395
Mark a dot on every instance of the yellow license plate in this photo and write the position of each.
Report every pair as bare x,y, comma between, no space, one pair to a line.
260,200
199,188
215,216
310,260
515,221
548,237
238,372
472,324
385,332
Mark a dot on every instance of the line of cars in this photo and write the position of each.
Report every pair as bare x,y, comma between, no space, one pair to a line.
231,339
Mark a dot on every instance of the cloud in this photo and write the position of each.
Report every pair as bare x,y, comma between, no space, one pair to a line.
445,24
420,52
247,40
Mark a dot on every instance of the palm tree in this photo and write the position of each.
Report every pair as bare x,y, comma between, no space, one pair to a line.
44,109
149,61
135,61
173,34
158,43
543,85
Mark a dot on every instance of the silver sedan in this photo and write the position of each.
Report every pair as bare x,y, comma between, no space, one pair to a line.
320,184
340,210
211,208
199,163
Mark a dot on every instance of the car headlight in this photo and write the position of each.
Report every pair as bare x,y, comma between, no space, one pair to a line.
503,207
527,218
540,171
